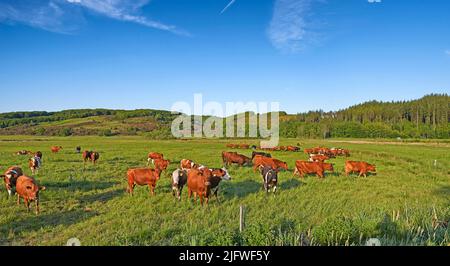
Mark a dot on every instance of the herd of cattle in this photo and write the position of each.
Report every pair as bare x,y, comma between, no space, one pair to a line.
201,181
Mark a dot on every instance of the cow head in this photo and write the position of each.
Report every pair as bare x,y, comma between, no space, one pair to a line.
328,167
222,173
284,165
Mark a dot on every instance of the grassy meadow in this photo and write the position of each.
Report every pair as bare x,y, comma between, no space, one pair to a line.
406,203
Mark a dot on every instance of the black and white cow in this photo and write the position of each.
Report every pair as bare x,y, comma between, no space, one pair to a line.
179,179
270,178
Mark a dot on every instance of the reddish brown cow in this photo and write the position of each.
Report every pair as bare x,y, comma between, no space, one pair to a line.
92,156
28,189
56,149
280,164
229,158
24,152
244,146
10,178
358,167
292,148
202,182
263,161
142,177
318,168
199,185
318,158
34,163
161,164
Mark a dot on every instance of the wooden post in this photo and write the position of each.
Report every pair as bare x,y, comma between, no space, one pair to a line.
241,218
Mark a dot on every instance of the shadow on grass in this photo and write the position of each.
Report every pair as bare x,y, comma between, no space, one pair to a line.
103,197
36,223
79,185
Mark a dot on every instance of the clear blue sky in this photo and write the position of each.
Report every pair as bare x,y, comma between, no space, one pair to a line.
306,54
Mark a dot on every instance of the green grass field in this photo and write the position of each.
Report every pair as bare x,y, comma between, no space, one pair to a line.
406,203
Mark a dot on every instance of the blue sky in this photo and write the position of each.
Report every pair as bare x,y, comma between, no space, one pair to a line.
306,54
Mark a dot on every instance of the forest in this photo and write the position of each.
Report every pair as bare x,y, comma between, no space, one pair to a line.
425,118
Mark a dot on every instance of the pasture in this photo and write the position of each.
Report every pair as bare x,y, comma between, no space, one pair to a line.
406,203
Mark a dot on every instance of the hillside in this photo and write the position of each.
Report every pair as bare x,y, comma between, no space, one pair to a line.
427,117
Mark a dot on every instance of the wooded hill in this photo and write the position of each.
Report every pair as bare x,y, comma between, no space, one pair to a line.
427,117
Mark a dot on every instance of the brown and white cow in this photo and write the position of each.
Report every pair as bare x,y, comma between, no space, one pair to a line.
179,180
142,177
10,178
362,168
318,158
34,163
303,168
28,189
187,164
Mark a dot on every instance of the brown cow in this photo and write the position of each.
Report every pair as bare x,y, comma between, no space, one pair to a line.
142,177
56,149
280,165
263,161
86,156
152,156
318,158
28,189
358,167
10,178
201,181
244,146
229,158
318,168
292,148
161,164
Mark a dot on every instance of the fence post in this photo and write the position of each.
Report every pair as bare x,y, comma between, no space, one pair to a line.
241,218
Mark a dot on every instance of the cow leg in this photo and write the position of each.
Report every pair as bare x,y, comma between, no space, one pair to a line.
189,193
215,194
179,193
18,199
37,206
201,199
27,204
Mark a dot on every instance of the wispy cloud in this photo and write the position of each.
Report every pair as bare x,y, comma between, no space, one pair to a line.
288,28
228,6
66,15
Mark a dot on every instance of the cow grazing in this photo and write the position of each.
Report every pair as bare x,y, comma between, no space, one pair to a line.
259,160
142,177
268,155
280,164
10,178
179,180
78,149
292,148
303,168
153,156
28,189
161,164
362,168
92,156
56,149
229,158
244,146
24,152
270,179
